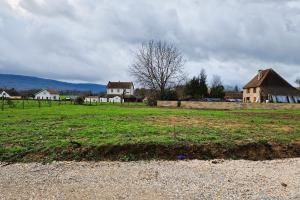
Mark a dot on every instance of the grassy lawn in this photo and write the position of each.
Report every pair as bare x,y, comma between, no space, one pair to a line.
39,129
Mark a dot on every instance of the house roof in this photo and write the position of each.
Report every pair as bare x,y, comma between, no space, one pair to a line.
272,83
4,92
233,95
115,85
50,92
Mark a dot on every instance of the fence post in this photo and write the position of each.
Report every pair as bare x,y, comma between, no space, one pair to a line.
2,107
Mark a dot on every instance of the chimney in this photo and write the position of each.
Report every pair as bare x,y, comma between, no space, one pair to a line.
260,74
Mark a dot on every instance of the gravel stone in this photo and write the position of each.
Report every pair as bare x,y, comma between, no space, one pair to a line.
194,179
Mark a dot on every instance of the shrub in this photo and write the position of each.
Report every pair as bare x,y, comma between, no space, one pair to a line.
79,101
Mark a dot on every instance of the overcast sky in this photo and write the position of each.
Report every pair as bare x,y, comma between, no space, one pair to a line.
94,40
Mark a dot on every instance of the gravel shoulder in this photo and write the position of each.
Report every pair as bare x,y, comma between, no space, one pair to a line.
194,179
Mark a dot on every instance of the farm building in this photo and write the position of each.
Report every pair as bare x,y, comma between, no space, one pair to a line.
91,99
116,99
119,90
5,95
96,99
233,96
268,86
47,95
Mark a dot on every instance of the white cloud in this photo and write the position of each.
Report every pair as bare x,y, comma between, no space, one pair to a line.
89,40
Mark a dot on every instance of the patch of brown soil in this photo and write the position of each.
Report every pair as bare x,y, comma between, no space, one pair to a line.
281,128
250,151
269,115
195,122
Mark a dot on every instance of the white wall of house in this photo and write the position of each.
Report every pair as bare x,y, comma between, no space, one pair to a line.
45,95
4,94
103,100
119,91
115,99
91,99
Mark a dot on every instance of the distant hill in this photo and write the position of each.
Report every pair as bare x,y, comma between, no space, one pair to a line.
20,82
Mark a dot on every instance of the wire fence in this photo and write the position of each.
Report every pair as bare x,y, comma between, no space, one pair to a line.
39,103
31,103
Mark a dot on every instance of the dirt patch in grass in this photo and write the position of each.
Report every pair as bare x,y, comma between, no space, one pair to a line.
250,151
269,115
195,122
281,128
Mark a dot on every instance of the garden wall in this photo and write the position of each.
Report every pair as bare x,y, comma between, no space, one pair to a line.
227,105
167,103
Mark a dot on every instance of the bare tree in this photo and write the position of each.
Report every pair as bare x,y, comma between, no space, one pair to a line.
158,66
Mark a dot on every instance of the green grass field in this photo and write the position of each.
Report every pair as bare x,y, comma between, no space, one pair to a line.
39,129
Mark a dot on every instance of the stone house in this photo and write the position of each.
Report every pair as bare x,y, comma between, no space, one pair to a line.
268,86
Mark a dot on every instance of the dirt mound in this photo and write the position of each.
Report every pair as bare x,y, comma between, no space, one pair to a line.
250,151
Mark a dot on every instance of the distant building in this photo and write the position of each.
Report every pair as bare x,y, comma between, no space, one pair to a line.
118,90
47,95
116,99
5,95
91,99
233,96
268,86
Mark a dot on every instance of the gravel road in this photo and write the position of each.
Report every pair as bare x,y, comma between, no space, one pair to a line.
195,179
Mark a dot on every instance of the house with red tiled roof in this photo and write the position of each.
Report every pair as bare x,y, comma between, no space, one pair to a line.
47,95
269,86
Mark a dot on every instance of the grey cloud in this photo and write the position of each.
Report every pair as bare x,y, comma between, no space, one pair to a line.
88,40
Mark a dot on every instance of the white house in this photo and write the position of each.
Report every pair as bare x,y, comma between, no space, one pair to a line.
120,88
116,99
91,99
47,95
4,94
103,99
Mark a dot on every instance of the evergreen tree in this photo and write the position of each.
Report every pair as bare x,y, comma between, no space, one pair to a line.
236,88
203,84
217,88
196,88
192,88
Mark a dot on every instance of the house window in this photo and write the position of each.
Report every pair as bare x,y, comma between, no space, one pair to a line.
118,90
247,99
254,99
254,90
112,90
248,91
54,97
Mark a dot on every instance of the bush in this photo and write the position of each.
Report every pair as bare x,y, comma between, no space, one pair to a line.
79,101
152,101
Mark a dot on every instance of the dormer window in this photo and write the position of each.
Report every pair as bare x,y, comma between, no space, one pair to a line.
254,90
